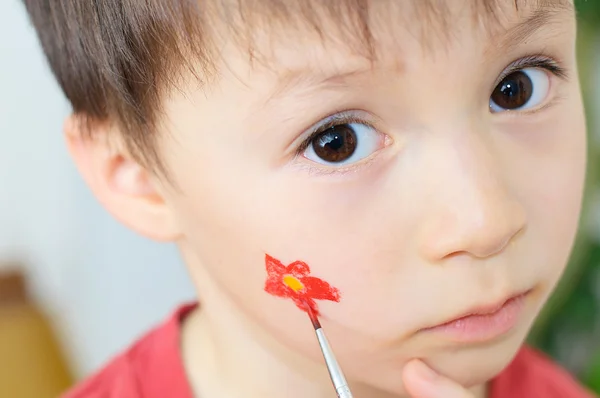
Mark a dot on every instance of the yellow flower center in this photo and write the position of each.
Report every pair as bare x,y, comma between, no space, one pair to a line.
293,283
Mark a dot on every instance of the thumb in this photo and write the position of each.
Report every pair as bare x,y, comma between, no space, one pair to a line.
423,382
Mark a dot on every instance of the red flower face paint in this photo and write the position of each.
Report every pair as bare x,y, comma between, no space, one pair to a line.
294,281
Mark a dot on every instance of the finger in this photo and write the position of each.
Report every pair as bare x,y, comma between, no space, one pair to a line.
423,382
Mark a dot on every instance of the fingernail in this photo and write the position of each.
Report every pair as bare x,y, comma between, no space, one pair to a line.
427,373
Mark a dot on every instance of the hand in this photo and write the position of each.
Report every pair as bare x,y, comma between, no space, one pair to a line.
423,382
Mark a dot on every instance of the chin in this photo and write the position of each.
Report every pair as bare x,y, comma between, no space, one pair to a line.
470,366
473,366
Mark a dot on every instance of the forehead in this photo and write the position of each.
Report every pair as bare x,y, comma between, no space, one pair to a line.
367,27
291,37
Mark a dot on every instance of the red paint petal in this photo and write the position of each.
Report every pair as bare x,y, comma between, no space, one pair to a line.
276,288
302,303
318,289
274,266
298,269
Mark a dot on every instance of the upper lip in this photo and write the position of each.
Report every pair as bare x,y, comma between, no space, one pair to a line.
487,309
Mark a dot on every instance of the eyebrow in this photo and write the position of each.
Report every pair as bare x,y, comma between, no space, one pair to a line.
543,13
312,79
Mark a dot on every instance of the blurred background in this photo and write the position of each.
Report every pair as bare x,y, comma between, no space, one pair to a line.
76,287
95,286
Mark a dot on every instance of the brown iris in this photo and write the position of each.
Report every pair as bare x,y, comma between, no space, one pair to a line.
335,144
514,91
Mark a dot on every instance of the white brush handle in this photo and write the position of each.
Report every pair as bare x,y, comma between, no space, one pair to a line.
344,392
335,372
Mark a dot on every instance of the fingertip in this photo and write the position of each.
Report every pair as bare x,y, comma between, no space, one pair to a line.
419,379
423,371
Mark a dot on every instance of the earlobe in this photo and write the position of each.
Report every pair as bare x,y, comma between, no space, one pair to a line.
123,186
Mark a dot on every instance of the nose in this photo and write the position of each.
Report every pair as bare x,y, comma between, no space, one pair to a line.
473,211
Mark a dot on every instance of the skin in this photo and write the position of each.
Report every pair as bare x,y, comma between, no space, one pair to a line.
456,207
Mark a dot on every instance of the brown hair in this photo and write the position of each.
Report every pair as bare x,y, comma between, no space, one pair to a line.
116,59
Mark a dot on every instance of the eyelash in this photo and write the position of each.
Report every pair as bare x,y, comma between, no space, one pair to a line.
533,61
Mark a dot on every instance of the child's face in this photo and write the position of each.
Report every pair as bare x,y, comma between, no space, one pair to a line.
440,184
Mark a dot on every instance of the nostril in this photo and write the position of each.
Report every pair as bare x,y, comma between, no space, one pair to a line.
469,236
480,251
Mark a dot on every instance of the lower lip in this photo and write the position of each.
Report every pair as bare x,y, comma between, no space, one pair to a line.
486,327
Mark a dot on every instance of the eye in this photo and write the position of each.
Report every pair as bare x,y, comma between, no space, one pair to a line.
521,90
343,144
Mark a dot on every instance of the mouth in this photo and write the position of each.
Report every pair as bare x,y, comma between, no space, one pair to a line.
483,323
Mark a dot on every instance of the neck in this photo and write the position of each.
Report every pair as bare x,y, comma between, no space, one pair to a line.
222,362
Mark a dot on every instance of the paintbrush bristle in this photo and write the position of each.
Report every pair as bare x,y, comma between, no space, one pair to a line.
313,317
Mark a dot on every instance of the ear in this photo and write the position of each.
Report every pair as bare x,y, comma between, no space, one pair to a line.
129,191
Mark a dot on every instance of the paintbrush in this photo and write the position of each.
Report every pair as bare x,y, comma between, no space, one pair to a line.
335,372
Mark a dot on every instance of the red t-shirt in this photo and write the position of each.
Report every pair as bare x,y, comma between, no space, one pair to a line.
152,368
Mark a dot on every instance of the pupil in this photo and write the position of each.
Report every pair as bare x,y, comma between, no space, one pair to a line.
514,91
335,144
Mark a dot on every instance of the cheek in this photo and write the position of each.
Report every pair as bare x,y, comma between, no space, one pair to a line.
236,209
550,177
235,216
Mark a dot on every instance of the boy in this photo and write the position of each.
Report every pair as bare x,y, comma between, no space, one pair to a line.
410,170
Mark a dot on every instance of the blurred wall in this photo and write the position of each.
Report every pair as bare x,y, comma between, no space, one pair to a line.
101,285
